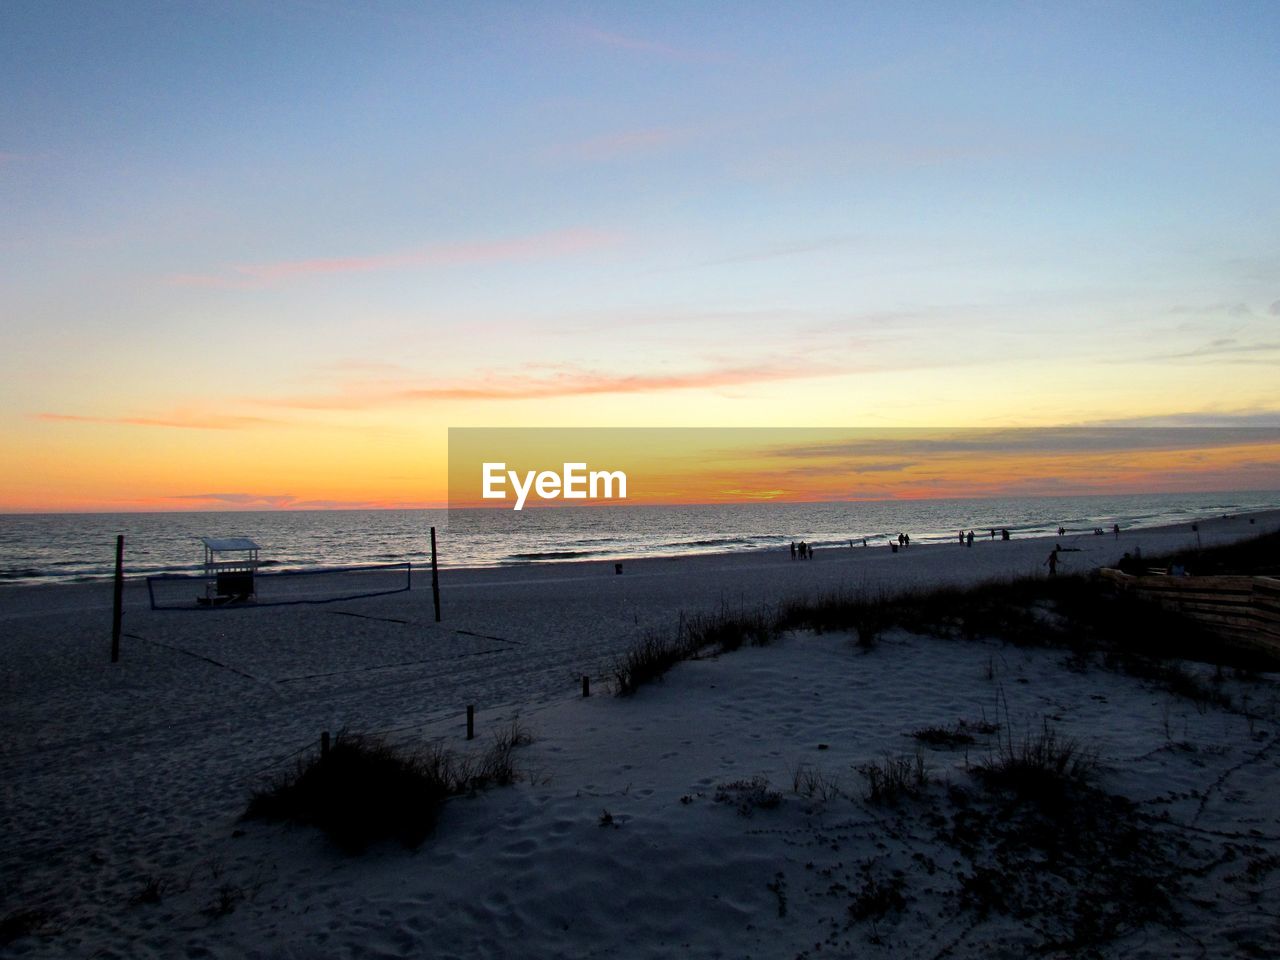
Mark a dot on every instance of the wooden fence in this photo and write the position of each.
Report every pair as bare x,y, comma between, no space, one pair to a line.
1244,610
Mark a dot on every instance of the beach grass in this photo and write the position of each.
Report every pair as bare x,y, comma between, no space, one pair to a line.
366,790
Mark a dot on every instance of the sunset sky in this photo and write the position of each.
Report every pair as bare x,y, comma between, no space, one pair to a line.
266,253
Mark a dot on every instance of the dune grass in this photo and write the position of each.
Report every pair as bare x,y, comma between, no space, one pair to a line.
365,790
1082,614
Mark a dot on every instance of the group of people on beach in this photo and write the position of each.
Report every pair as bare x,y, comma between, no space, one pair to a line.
804,551
966,539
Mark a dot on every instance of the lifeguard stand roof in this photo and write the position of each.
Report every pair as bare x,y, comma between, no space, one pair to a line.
229,543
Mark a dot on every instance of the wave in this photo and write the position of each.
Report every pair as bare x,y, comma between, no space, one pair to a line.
713,542
22,573
551,555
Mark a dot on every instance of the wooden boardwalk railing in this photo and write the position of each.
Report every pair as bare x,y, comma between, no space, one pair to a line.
1245,610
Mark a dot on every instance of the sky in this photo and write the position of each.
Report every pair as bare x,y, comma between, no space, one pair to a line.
268,253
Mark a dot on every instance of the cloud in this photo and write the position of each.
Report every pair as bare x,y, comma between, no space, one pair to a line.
274,500
871,443
1228,350
784,250
556,383
1238,419
283,501
1230,308
534,247
178,421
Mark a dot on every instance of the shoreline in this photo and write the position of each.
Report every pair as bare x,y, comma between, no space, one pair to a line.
831,548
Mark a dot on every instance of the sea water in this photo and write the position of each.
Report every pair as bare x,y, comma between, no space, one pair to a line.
47,548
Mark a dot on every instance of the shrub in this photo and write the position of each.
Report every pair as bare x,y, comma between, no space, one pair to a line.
1039,766
812,783
646,661
894,777
748,795
955,736
497,766
365,790
721,632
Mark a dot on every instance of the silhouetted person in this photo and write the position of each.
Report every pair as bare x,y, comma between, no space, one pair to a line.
993,533
1061,530
969,539
1115,528
961,536
906,540
1053,562
793,549
1004,534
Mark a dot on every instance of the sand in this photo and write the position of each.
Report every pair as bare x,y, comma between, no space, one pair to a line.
119,778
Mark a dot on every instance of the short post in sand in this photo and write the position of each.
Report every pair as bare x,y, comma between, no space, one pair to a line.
435,575
586,685
324,744
471,722
117,612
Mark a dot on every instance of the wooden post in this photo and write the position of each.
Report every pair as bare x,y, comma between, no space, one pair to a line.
586,685
324,744
117,611
471,722
435,575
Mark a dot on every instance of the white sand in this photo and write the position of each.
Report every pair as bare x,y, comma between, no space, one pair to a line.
114,775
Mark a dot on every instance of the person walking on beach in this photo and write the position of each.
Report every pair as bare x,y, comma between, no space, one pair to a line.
969,539
793,549
906,540
1053,562
961,536
1115,528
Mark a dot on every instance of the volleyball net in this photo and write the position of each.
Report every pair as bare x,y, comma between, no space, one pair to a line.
172,591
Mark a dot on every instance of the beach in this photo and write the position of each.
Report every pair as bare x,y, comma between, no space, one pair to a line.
131,777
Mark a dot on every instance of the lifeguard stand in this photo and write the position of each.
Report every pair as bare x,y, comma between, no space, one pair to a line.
230,565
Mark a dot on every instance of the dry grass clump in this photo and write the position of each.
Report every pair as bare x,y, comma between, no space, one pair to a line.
364,790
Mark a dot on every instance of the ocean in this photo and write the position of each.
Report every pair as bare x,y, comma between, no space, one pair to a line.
52,548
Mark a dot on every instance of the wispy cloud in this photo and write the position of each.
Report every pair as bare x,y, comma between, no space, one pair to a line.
174,421
1226,349
784,250
273,500
570,382
864,449
535,247
279,501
